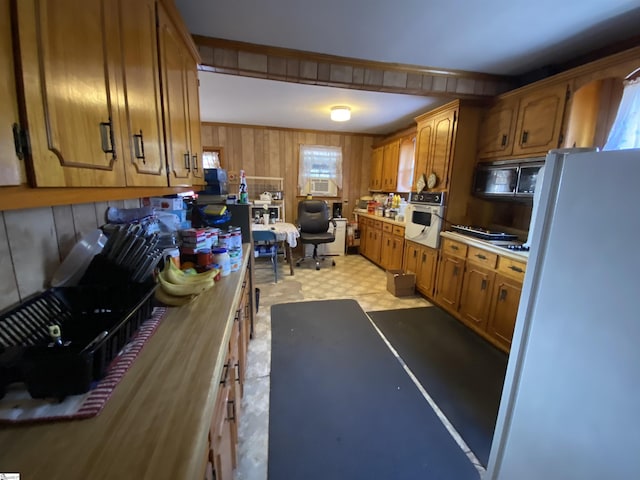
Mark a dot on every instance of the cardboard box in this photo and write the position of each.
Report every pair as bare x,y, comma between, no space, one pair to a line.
401,284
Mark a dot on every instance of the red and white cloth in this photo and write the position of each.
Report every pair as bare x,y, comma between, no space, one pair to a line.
17,406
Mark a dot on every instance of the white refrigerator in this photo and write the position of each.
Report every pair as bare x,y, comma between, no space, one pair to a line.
570,405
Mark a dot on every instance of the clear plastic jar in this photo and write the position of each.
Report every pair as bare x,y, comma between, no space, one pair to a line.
221,257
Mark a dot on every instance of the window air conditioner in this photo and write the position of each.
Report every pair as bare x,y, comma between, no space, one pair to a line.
323,187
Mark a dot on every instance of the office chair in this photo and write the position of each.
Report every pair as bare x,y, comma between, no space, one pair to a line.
313,223
266,245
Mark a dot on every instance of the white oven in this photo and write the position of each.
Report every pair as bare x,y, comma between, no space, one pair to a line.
424,218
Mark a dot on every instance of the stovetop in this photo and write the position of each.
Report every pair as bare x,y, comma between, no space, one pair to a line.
483,233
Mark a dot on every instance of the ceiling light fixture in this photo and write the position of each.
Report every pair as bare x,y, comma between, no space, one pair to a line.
340,113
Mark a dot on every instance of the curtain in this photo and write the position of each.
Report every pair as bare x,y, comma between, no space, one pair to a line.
625,132
318,161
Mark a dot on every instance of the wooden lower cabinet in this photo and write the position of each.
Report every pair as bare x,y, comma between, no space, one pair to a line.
449,284
480,288
475,300
362,226
382,242
422,261
392,247
373,242
223,435
222,450
504,310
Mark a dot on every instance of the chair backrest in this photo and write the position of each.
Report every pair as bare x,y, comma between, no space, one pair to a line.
313,216
264,236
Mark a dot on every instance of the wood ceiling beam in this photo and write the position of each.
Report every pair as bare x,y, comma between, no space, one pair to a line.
296,66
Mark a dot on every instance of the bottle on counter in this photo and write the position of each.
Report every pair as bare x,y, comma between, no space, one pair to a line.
243,196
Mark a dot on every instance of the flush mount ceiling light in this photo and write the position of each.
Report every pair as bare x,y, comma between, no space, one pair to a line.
340,113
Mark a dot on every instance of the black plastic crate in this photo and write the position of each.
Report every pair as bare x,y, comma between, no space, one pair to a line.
96,322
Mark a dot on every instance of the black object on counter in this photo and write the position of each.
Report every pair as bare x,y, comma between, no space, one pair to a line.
84,314
483,233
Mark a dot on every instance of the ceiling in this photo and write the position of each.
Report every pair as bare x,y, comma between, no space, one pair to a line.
505,37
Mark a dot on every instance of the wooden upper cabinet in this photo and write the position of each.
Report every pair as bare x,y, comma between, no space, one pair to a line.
375,182
423,149
443,132
539,123
175,63
143,138
70,59
11,167
497,129
433,150
390,166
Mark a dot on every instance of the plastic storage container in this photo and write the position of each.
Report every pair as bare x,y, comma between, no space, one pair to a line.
221,257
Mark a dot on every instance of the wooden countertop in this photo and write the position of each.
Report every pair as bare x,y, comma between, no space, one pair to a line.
476,242
156,423
382,219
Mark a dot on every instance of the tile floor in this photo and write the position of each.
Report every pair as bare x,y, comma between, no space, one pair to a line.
353,277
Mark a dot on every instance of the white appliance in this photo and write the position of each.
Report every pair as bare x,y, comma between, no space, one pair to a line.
423,217
570,401
323,187
336,247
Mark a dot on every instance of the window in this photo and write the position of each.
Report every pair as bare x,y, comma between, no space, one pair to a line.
211,157
625,132
320,170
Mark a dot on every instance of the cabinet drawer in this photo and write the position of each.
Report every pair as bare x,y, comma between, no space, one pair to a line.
377,224
482,257
387,227
454,248
512,268
397,230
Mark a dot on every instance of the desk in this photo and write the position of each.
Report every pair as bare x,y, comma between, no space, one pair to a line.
287,233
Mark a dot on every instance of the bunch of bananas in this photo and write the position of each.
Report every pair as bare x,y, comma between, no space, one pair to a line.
179,288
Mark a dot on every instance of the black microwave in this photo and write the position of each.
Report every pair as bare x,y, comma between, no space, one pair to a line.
507,180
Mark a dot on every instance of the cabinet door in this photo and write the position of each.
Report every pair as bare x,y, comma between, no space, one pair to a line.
221,440
397,250
143,137
11,168
475,299
411,255
406,164
374,244
504,310
423,150
450,273
497,130
70,61
426,274
540,120
390,166
375,183
174,59
362,226
195,139
386,249
440,155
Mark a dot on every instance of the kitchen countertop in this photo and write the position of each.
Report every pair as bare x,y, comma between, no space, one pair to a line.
156,423
383,219
487,245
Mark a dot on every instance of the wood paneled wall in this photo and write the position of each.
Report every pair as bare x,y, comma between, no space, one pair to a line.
273,152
